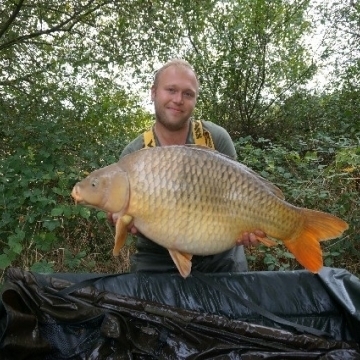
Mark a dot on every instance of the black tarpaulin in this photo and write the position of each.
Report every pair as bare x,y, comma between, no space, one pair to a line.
163,316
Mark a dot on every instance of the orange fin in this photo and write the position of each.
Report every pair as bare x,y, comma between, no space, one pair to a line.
121,232
266,241
182,262
317,226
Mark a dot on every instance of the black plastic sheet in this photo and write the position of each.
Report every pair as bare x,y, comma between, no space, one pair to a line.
163,316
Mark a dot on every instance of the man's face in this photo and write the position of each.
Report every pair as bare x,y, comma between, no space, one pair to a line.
174,97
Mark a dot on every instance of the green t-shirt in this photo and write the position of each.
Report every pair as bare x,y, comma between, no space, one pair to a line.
221,138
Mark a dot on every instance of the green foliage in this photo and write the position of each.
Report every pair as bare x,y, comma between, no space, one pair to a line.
39,165
43,267
275,259
253,60
59,118
73,262
341,42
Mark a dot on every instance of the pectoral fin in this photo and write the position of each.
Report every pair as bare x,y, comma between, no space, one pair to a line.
121,232
182,262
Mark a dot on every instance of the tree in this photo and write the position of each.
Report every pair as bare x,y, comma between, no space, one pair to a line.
341,41
256,58
248,53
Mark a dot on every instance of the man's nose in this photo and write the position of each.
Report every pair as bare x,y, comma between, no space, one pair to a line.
178,97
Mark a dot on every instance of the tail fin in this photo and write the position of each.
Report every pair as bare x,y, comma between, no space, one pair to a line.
318,226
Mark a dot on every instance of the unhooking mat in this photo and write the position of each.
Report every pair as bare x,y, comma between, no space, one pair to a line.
253,315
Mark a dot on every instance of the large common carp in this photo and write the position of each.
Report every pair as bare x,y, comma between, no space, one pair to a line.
196,201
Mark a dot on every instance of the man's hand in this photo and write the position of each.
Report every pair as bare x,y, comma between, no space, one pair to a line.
250,239
112,218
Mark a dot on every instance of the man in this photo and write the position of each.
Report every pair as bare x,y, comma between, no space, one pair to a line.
174,94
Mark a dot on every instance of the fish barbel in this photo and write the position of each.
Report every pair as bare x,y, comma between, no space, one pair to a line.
196,201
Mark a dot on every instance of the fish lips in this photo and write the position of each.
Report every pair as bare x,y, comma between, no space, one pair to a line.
76,196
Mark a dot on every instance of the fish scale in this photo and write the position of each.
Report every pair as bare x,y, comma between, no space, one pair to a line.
202,199
195,201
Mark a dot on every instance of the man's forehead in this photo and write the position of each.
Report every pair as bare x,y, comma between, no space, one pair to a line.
180,76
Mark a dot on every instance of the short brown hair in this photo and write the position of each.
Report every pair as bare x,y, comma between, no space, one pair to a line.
177,63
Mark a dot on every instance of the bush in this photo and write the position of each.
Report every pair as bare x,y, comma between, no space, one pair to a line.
41,228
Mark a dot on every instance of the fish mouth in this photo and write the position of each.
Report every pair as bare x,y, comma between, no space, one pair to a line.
76,196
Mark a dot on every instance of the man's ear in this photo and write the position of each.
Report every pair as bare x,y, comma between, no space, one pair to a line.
153,92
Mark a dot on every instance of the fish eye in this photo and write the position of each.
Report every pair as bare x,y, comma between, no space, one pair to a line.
95,182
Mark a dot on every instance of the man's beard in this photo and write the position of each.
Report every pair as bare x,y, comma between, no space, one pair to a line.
162,119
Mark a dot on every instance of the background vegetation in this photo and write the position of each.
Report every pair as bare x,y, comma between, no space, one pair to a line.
281,76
